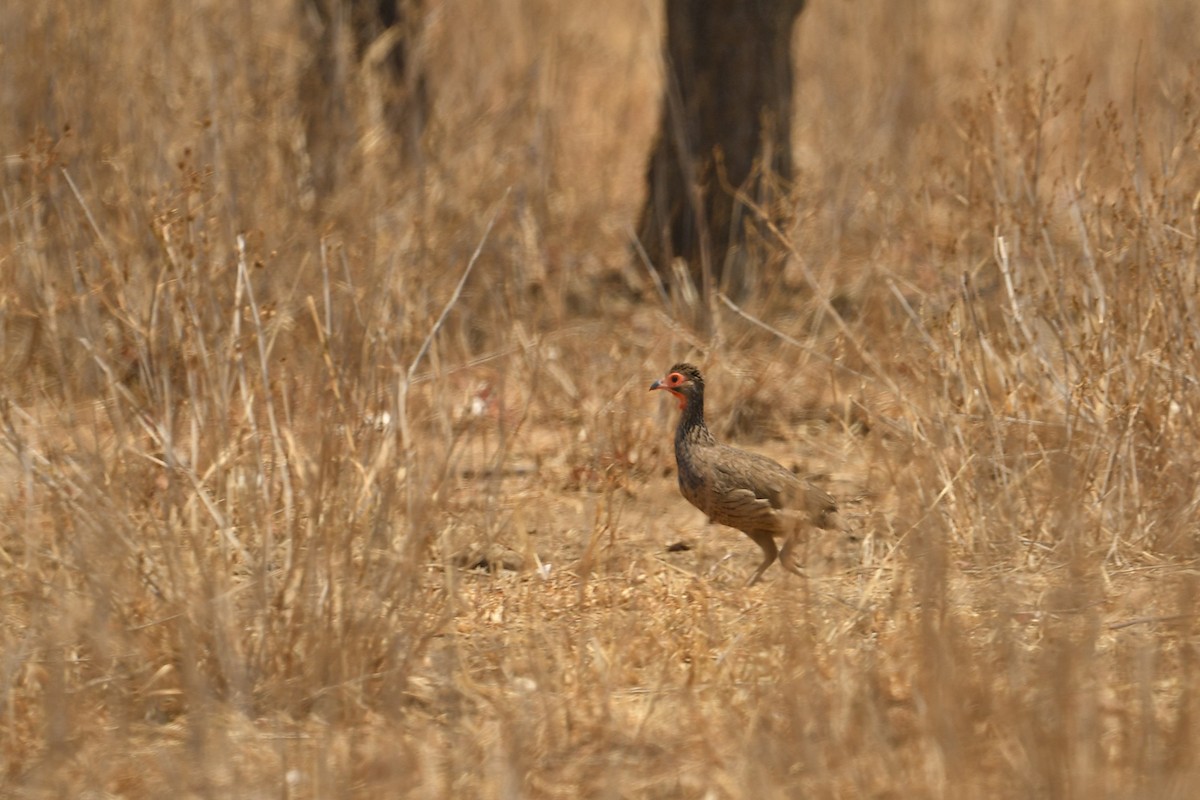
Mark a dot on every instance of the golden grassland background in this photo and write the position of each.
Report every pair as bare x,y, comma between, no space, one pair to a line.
274,527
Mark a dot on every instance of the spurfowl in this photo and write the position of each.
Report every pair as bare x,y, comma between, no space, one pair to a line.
742,490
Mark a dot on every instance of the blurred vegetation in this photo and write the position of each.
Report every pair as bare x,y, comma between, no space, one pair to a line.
353,487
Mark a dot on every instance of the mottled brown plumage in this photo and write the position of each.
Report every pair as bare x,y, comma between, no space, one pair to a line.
740,489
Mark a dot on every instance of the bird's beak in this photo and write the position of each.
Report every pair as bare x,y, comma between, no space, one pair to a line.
678,395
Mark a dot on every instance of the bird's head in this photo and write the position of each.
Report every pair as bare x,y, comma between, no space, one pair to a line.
682,380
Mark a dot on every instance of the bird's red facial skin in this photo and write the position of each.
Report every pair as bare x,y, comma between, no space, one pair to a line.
671,384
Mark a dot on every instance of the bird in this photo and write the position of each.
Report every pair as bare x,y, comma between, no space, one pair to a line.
737,488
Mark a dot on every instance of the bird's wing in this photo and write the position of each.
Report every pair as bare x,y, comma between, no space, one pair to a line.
759,474
744,492
773,482
749,491
744,510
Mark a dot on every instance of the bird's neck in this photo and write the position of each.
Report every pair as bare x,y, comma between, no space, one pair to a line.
692,428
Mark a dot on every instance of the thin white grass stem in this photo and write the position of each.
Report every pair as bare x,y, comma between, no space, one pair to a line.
462,281
408,376
281,467
87,211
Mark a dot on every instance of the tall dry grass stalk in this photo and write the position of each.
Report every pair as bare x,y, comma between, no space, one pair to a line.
359,492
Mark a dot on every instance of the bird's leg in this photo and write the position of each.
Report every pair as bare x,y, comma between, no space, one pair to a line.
767,542
785,555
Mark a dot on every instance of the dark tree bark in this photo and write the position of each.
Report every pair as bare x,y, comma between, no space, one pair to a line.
726,124
353,39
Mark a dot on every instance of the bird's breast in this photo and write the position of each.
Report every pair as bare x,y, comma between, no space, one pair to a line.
694,488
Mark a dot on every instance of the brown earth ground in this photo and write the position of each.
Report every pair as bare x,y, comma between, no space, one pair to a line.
290,511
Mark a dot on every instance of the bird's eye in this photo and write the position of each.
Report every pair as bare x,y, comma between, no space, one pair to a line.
675,379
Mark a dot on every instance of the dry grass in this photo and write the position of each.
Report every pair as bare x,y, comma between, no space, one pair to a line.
273,527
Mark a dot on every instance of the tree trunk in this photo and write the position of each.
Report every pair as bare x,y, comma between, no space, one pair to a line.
726,125
370,41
